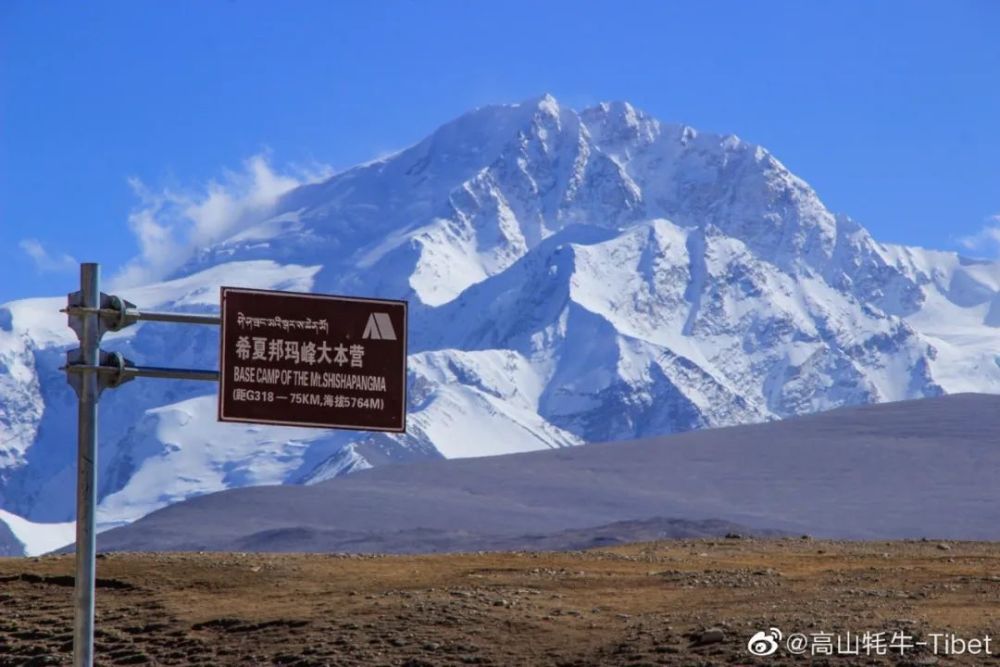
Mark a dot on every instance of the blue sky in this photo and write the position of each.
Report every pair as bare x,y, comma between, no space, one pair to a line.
891,110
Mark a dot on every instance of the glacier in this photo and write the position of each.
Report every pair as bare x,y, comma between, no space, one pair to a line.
573,277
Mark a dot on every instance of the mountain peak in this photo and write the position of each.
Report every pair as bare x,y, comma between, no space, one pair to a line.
618,126
546,103
617,108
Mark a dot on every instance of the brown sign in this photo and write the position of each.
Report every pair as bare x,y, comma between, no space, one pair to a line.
312,360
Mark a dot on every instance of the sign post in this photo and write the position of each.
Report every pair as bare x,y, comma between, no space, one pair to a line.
286,358
301,359
87,391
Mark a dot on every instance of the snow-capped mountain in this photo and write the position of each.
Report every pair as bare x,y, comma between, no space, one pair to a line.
573,277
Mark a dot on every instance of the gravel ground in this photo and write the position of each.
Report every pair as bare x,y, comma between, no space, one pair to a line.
686,602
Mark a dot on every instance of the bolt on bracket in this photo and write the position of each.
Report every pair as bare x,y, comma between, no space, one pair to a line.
111,373
114,313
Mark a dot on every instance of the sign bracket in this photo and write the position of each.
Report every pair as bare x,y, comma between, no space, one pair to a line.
125,315
119,373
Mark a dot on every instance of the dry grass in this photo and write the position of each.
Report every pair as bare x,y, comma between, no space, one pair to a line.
643,604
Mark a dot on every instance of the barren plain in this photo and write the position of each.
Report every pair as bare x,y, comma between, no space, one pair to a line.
684,602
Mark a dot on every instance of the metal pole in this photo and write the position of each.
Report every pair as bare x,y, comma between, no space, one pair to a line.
132,315
131,372
172,373
183,318
86,486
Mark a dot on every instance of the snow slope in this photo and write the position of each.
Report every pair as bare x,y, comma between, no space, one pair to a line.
38,538
573,276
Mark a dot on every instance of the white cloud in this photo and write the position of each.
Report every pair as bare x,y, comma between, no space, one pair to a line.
171,226
44,261
986,241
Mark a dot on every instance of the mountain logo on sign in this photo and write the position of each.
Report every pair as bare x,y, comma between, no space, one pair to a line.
379,327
